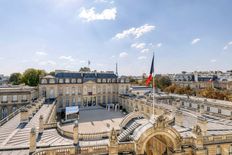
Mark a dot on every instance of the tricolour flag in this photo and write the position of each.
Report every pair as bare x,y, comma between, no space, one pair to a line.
148,81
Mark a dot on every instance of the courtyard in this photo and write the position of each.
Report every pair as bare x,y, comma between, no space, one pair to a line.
96,119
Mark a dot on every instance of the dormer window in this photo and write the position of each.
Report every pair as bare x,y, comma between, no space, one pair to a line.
52,81
61,80
44,81
67,80
73,80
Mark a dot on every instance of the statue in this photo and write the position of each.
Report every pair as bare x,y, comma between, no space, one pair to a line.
197,130
113,136
161,122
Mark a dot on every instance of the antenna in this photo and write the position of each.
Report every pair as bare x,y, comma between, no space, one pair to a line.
116,68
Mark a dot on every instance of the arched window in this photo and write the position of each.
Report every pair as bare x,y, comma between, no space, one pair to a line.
218,150
230,150
4,112
73,101
14,108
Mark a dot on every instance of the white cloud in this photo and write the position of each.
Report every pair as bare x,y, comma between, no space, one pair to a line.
159,45
196,40
135,32
41,53
68,58
142,57
213,60
46,63
145,50
82,61
227,45
91,15
138,45
123,55
103,1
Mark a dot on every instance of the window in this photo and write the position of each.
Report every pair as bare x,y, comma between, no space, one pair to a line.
219,111
230,150
79,80
218,150
60,91
15,98
14,108
99,80
61,80
67,81
4,98
208,109
67,90
104,80
73,101
73,90
4,112
52,81
24,98
44,81
74,80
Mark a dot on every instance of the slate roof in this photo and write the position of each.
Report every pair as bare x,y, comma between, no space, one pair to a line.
85,75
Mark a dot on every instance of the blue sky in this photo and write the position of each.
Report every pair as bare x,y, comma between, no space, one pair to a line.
64,34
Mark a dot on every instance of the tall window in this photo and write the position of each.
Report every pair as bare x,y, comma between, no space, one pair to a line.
73,90
4,112
218,151
15,98
230,150
24,98
73,101
4,98
67,90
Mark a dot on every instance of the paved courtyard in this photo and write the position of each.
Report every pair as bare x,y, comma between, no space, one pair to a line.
97,120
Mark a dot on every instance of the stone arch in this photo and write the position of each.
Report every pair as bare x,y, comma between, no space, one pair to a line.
151,132
133,115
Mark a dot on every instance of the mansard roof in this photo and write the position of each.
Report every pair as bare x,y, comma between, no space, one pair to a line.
85,75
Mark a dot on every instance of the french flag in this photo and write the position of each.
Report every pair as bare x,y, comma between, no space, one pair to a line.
148,81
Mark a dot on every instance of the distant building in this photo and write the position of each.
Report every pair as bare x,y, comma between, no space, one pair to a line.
3,79
14,97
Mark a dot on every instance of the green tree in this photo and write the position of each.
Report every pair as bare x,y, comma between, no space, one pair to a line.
52,73
31,76
84,69
15,78
162,82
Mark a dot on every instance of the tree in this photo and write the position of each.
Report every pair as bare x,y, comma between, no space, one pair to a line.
31,76
162,82
84,69
15,78
52,73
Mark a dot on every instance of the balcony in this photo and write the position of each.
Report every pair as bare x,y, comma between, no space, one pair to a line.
4,101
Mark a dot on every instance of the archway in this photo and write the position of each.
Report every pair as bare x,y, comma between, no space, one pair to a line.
159,145
158,141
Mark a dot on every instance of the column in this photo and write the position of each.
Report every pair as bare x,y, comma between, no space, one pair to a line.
24,116
113,143
202,122
75,133
32,146
41,124
179,118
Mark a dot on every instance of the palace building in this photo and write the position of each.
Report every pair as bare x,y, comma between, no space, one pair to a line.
83,89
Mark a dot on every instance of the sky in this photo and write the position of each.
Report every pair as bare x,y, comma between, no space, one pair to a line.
185,35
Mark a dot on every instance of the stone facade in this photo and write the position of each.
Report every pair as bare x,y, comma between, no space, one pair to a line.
14,97
83,89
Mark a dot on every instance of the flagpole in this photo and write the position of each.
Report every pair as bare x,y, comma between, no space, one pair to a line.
153,83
